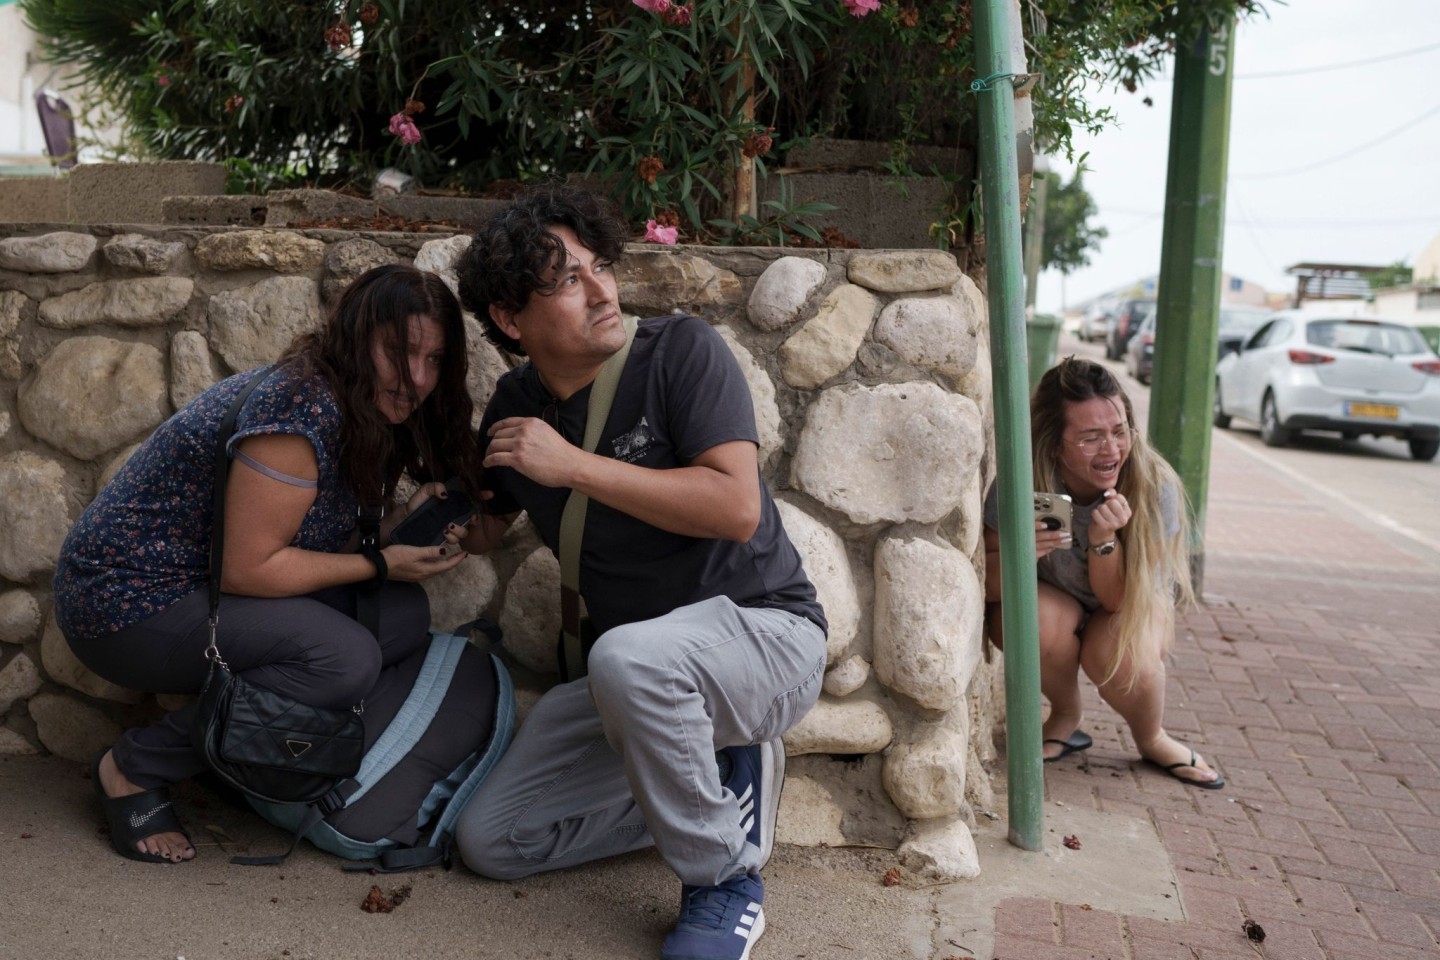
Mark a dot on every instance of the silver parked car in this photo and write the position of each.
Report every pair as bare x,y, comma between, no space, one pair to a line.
1347,375
1140,354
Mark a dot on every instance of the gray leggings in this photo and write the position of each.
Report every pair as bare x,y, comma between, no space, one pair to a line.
309,648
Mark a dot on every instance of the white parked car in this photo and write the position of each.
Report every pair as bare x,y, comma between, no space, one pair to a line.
1346,375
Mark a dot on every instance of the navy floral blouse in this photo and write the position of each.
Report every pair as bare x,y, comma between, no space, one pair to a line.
144,541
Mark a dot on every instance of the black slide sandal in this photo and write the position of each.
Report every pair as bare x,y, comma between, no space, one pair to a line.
136,817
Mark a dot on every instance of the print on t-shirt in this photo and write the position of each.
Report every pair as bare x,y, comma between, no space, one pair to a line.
631,446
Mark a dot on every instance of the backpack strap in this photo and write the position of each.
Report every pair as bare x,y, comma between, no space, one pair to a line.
415,714
572,520
314,813
437,851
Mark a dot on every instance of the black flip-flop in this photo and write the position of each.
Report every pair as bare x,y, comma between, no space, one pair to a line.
1077,741
1194,761
135,817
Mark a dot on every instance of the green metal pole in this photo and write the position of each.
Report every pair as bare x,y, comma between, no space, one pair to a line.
1004,270
1187,319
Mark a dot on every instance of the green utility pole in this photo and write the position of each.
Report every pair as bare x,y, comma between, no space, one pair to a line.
1187,318
1004,271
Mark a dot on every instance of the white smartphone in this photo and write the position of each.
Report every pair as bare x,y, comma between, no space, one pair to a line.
1055,510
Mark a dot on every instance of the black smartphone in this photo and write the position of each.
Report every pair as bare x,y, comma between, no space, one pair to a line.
426,526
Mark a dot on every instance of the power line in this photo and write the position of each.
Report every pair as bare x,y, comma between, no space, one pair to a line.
1326,68
1341,156
1300,223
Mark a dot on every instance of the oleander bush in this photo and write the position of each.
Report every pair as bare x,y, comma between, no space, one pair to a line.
670,105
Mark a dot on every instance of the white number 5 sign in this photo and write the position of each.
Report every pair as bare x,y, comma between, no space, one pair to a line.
1219,51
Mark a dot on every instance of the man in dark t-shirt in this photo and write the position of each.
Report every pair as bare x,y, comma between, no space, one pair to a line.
711,642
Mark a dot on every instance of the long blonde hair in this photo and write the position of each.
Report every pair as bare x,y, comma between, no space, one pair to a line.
1157,566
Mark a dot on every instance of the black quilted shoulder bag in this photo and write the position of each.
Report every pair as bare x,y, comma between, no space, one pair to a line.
259,742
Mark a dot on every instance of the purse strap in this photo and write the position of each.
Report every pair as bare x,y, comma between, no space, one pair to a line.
572,520
367,608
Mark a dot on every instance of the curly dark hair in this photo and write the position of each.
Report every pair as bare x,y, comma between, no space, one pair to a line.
435,442
509,257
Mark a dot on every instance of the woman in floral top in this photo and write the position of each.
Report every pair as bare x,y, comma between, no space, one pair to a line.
378,391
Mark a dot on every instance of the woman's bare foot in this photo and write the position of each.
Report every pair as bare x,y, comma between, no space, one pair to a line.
173,846
1166,752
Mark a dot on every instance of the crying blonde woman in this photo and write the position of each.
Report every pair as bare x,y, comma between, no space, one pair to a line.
1108,588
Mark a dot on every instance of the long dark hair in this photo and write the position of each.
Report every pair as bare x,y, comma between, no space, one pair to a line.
436,441
509,257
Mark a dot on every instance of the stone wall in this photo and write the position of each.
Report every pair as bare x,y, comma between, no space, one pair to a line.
871,380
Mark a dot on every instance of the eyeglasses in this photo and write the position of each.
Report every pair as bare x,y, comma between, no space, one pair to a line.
1121,438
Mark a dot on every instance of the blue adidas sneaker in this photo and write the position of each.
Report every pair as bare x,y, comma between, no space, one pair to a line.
718,923
756,774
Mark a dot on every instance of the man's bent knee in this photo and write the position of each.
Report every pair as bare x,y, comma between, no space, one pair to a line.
485,850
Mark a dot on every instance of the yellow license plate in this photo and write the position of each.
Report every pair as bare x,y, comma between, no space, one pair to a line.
1375,411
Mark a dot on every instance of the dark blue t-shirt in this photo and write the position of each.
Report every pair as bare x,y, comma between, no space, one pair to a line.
681,393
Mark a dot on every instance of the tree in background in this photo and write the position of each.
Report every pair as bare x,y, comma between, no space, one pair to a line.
672,106
1069,236
1396,274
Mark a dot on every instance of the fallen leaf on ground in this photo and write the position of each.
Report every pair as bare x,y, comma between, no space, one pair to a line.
1254,931
378,903
892,877
1072,841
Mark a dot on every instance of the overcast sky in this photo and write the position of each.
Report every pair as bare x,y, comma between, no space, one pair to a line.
1378,206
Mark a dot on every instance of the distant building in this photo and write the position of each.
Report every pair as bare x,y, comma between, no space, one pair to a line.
1416,302
1233,290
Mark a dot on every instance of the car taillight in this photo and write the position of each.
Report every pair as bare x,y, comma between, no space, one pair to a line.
1431,367
1306,357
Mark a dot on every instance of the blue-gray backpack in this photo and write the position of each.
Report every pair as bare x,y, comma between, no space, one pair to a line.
435,725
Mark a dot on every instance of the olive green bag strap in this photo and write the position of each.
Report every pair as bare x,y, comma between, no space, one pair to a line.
572,520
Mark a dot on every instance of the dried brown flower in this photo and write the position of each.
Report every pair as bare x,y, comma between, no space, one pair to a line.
369,14
338,36
649,168
757,145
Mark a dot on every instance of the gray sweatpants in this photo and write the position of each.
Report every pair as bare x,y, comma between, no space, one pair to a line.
625,757
309,648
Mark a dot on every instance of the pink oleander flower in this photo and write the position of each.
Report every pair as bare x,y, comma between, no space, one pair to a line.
859,8
654,233
678,16
654,6
403,127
